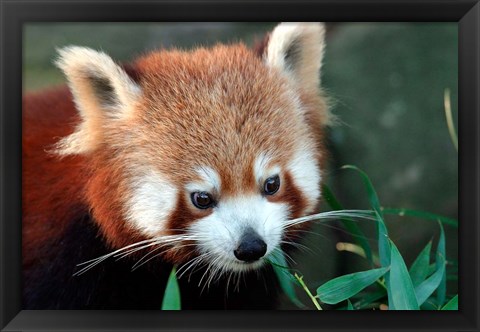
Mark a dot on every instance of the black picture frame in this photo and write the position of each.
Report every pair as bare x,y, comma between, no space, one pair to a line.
15,13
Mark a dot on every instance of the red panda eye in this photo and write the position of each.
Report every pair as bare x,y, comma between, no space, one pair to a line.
272,184
202,200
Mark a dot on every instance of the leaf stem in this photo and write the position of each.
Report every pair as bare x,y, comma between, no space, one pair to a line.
448,115
304,286
381,283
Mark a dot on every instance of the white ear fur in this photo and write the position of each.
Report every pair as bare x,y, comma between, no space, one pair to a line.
297,50
102,91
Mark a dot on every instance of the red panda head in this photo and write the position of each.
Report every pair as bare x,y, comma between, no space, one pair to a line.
221,146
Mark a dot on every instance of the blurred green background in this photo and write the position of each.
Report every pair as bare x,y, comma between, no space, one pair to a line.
386,84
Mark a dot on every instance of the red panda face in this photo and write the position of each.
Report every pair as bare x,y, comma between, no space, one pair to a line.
220,146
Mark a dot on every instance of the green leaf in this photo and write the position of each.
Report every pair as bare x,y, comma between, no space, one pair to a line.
429,304
440,260
349,305
285,278
344,287
426,288
419,269
383,241
401,287
452,304
348,223
384,252
370,297
171,297
421,214
372,194
384,249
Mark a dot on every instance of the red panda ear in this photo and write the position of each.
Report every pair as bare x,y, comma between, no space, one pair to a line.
296,49
103,93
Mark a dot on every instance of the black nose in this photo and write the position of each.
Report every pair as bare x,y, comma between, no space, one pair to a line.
251,247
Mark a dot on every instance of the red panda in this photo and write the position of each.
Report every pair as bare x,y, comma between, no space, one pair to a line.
196,159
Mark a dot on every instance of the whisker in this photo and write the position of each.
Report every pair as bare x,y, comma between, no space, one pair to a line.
209,267
131,251
215,269
287,256
118,250
299,246
199,265
228,281
88,267
146,258
191,263
134,247
361,214
337,214
241,276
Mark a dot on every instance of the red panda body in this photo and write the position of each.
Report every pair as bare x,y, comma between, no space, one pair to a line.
195,159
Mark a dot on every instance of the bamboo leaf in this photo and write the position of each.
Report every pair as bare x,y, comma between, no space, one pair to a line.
344,287
440,260
382,233
419,269
384,250
372,194
429,304
427,287
285,278
421,214
370,297
351,226
452,304
171,297
349,305
432,268
401,287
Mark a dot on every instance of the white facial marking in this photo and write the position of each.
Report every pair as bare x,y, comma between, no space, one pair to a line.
261,167
222,230
153,199
306,175
210,181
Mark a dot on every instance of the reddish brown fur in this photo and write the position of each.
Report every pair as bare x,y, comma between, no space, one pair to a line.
246,113
57,190
52,189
